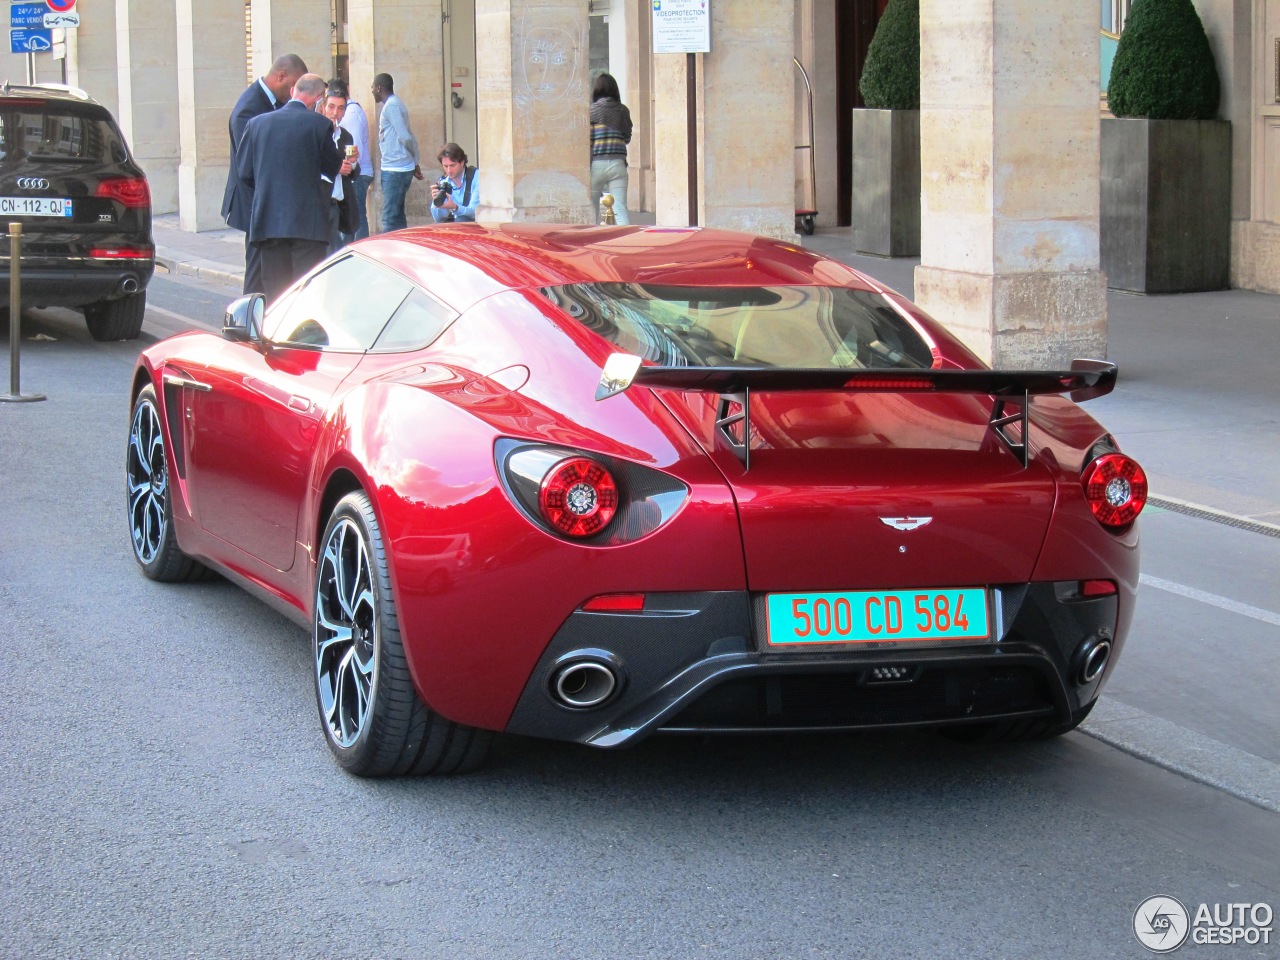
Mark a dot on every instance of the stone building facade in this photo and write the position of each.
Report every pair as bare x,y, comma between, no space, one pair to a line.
1010,107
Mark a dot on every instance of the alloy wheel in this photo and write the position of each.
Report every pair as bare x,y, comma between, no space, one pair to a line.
346,633
148,483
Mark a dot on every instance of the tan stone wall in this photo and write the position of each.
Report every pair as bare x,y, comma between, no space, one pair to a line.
403,39
292,26
1009,178
1255,256
534,131
210,69
91,57
746,111
146,59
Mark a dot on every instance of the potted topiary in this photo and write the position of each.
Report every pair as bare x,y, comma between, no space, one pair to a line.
1166,162
886,138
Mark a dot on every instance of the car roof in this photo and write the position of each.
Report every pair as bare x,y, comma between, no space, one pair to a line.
52,92
465,262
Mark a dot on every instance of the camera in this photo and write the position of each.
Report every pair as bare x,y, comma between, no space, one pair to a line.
446,188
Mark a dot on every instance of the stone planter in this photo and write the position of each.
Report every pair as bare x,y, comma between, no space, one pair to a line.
1166,204
886,182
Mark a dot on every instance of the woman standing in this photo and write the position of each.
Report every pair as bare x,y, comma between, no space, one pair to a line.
610,134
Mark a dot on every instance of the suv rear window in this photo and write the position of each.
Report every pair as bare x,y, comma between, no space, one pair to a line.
47,133
799,327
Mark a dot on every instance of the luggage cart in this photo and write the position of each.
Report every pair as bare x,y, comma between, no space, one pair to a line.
804,217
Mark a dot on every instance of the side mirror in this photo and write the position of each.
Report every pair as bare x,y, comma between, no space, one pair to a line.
243,320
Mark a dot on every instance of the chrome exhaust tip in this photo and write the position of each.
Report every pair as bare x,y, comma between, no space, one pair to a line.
1093,660
584,684
128,285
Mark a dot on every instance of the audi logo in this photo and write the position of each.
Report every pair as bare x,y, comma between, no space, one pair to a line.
33,183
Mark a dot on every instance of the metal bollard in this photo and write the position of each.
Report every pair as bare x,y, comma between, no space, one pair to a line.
606,201
15,394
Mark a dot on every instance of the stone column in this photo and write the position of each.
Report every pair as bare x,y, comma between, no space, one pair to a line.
147,71
630,62
1009,131
292,26
405,40
746,149
532,85
211,75
91,57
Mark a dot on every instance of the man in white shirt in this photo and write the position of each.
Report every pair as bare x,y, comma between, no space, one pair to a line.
356,123
342,206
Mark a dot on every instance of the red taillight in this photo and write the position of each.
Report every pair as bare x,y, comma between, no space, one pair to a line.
1116,489
578,497
615,603
131,191
888,383
122,253
1097,588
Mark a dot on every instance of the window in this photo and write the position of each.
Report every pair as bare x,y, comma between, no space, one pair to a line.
798,327
1114,14
60,137
343,307
418,321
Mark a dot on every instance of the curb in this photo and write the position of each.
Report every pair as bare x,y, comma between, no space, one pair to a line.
1193,755
201,269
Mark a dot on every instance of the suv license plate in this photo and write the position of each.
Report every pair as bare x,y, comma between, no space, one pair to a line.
35,207
879,616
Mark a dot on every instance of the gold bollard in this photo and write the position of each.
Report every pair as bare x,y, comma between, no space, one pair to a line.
15,320
609,220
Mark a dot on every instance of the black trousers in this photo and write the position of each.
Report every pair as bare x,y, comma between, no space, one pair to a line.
252,268
284,261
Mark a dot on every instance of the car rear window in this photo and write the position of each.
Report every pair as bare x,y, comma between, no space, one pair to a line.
808,327
48,134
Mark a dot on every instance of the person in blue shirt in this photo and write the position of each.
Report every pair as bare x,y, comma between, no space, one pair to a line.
399,149
460,203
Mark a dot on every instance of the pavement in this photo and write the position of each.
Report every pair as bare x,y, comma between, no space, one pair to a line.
1197,403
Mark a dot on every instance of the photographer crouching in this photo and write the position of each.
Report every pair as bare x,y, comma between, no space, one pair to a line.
456,195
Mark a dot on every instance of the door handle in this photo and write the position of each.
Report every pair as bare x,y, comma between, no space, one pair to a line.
301,404
175,381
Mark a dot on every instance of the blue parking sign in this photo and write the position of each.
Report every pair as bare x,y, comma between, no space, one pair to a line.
30,40
29,15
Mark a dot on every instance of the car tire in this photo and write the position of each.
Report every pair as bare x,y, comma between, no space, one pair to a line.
148,503
1016,731
372,717
116,319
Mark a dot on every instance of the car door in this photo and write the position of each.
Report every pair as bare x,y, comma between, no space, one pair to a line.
256,426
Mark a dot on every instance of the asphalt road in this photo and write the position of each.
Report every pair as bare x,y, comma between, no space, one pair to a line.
167,792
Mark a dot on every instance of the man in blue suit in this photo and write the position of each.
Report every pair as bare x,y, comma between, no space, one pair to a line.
265,94
288,159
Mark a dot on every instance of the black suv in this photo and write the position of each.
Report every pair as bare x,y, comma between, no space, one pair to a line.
67,176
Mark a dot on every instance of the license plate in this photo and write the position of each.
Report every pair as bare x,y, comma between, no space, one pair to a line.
35,207
877,616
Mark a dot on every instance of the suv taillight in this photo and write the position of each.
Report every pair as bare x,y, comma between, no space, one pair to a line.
1116,488
131,191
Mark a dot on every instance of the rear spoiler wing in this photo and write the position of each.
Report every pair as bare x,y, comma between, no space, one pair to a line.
1085,380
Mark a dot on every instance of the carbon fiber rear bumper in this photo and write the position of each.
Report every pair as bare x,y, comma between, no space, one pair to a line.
692,663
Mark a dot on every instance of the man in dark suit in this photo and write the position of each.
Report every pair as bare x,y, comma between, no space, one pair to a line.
288,159
263,95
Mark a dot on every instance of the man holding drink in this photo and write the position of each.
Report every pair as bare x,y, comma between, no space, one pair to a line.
344,217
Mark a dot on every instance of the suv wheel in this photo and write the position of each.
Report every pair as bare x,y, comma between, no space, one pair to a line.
116,319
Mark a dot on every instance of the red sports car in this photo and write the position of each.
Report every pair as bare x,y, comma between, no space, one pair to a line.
593,483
